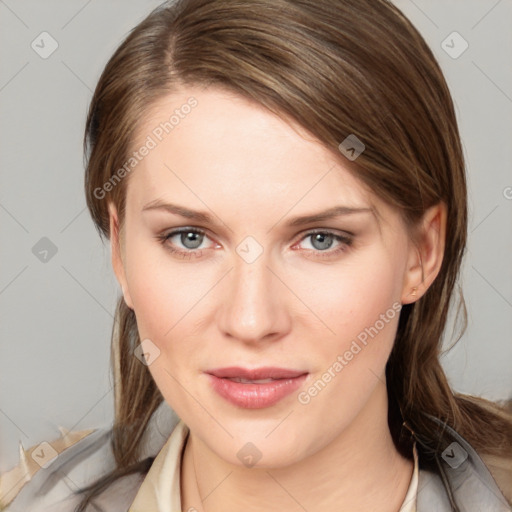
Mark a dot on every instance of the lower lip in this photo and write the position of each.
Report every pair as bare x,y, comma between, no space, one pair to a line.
255,396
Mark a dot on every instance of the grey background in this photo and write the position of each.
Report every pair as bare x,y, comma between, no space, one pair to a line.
56,316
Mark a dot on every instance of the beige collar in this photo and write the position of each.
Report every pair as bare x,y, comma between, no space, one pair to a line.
161,492
409,503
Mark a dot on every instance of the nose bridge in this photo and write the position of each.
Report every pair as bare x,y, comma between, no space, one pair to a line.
253,307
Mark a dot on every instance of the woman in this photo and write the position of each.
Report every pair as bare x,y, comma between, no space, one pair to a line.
283,187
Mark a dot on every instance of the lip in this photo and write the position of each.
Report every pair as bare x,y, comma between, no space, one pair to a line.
267,372
255,395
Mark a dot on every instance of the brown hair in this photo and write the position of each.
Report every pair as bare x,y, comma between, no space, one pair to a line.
336,67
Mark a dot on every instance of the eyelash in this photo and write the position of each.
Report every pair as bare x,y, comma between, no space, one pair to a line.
346,242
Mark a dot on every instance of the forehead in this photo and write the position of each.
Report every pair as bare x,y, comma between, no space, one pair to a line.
213,145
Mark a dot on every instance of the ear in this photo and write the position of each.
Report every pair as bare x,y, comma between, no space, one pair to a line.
117,251
425,254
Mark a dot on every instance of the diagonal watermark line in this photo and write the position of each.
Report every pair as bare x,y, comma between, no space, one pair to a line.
493,287
216,487
5,497
73,219
379,378
87,291
198,197
199,403
279,423
97,508
65,477
424,14
485,14
90,409
4,4
14,76
300,300
75,15
492,81
285,490
206,293
13,279
13,217
300,199
76,76
492,211
17,426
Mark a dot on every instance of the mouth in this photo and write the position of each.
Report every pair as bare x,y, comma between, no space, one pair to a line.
255,388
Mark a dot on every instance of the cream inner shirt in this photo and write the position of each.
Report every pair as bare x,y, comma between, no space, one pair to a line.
160,491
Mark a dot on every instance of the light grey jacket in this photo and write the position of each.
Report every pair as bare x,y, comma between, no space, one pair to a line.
463,482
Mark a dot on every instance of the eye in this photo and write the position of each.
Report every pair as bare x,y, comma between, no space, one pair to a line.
190,239
322,241
187,242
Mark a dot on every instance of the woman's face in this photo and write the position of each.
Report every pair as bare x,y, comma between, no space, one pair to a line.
256,288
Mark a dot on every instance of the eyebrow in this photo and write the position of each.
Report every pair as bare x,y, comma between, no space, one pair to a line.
336,211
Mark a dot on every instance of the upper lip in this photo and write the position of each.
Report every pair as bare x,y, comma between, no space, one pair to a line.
267,372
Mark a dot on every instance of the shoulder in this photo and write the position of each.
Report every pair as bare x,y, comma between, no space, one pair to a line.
49,473
463,479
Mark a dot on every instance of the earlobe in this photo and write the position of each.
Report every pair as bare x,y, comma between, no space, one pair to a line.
426,254
116,251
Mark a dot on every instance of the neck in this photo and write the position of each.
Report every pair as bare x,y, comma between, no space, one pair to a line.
359,470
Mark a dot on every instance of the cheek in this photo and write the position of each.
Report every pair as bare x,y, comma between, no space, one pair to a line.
161,292
165,302
168,300
348,298
361,306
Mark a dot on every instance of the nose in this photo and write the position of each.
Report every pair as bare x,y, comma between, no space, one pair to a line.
254,306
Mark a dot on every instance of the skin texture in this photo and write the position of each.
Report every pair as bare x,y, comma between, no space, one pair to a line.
292,307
